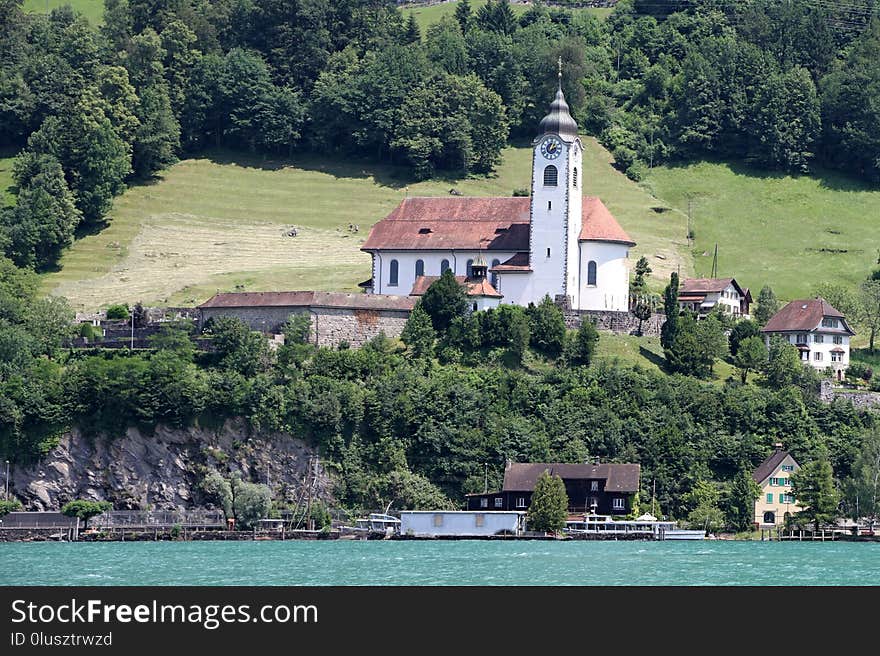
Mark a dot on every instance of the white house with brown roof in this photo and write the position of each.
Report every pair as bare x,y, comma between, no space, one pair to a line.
776,500
702,295
819,332
557,242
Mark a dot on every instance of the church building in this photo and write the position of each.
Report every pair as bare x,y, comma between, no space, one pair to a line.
556,242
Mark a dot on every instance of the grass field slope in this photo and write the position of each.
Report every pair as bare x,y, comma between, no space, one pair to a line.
92,9
220,223
6,196
789,232
428,14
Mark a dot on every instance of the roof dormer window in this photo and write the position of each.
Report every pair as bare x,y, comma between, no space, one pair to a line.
425,231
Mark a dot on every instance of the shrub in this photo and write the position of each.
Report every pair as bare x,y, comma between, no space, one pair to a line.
859,371
521,191
117,311
7,507
89,331
636,171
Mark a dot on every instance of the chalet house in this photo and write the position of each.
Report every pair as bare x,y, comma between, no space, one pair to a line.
605,489
774,478
819,332
702,295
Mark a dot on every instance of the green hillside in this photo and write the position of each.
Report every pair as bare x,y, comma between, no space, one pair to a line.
220,223
427,15
789,232
92,9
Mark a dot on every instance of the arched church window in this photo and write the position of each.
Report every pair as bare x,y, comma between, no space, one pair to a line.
574,178
444,264
551,176
392,274
420,268
469,271
591,273
495,263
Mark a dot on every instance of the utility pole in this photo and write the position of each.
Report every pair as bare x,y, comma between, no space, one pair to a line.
690,219
486,483
312,479
715,263
131,318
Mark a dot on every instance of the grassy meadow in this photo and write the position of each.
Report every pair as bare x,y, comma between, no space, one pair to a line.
427,15
220,223
791,232
91,9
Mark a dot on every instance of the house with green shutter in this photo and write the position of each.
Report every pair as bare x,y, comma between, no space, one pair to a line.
776,500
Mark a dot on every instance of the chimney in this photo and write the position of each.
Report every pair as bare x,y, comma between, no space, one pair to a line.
778,446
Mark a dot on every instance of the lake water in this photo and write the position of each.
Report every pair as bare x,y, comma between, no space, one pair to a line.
481,563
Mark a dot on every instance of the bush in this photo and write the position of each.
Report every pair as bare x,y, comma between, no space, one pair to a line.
624,157
89,331
637,171
875,383
85,509
859,371
118,311
7,507
521,191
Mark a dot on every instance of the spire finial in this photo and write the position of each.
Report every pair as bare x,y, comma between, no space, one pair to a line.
559,62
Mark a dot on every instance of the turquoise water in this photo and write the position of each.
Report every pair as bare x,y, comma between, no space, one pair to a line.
481,563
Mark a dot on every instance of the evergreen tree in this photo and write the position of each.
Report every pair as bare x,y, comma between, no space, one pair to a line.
669,330
813,488
581,344
549,507
744,491
741,331
412,34
443,301
639,285
784,366
463,15
546,327
767,305
418,333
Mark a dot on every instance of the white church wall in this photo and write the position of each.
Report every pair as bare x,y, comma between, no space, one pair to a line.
611,291
548,237
406,267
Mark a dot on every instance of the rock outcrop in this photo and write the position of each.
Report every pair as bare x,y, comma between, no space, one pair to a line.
163,470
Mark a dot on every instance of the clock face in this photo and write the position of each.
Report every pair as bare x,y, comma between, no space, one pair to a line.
551,148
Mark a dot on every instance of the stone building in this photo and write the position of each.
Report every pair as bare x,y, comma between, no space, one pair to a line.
335,316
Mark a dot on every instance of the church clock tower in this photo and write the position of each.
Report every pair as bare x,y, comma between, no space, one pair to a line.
557,176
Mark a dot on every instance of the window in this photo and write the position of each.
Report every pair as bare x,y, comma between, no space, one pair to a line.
520,502
769,497
591,273
484,503
817,356
469,268
551,176
494,280
838,339
594,486
772,481
802,339
594,503
787,468
574,177
837,357
499,502
392,274
548,252
819,339
444,264
438,520
786,498
420,268
549,205
474,308
829,323
617,503
479,520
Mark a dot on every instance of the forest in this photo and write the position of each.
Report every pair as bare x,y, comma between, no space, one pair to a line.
784,86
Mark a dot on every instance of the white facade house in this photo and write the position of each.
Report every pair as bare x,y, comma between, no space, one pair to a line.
461,523
556,243
819,332
702,295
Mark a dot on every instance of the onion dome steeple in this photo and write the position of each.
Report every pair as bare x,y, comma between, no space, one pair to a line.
559,120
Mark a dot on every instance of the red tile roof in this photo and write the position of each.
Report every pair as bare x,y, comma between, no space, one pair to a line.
494,224
517,263
309,299
600,225
458,222
706,285
804,316
522,476
481,287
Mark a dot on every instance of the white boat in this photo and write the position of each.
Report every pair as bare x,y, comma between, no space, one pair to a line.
682,534
378,523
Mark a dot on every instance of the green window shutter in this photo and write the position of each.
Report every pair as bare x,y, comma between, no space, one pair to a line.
769,497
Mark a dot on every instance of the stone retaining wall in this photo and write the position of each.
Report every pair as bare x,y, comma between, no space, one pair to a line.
622,323
860,400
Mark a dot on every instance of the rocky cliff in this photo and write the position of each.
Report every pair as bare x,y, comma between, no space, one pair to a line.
163,470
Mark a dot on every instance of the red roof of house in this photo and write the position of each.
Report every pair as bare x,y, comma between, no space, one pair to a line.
310,299
804,316
499,224
517,262
600,225
475,287
709,285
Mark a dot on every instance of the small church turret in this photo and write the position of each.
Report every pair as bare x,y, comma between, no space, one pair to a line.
479,269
